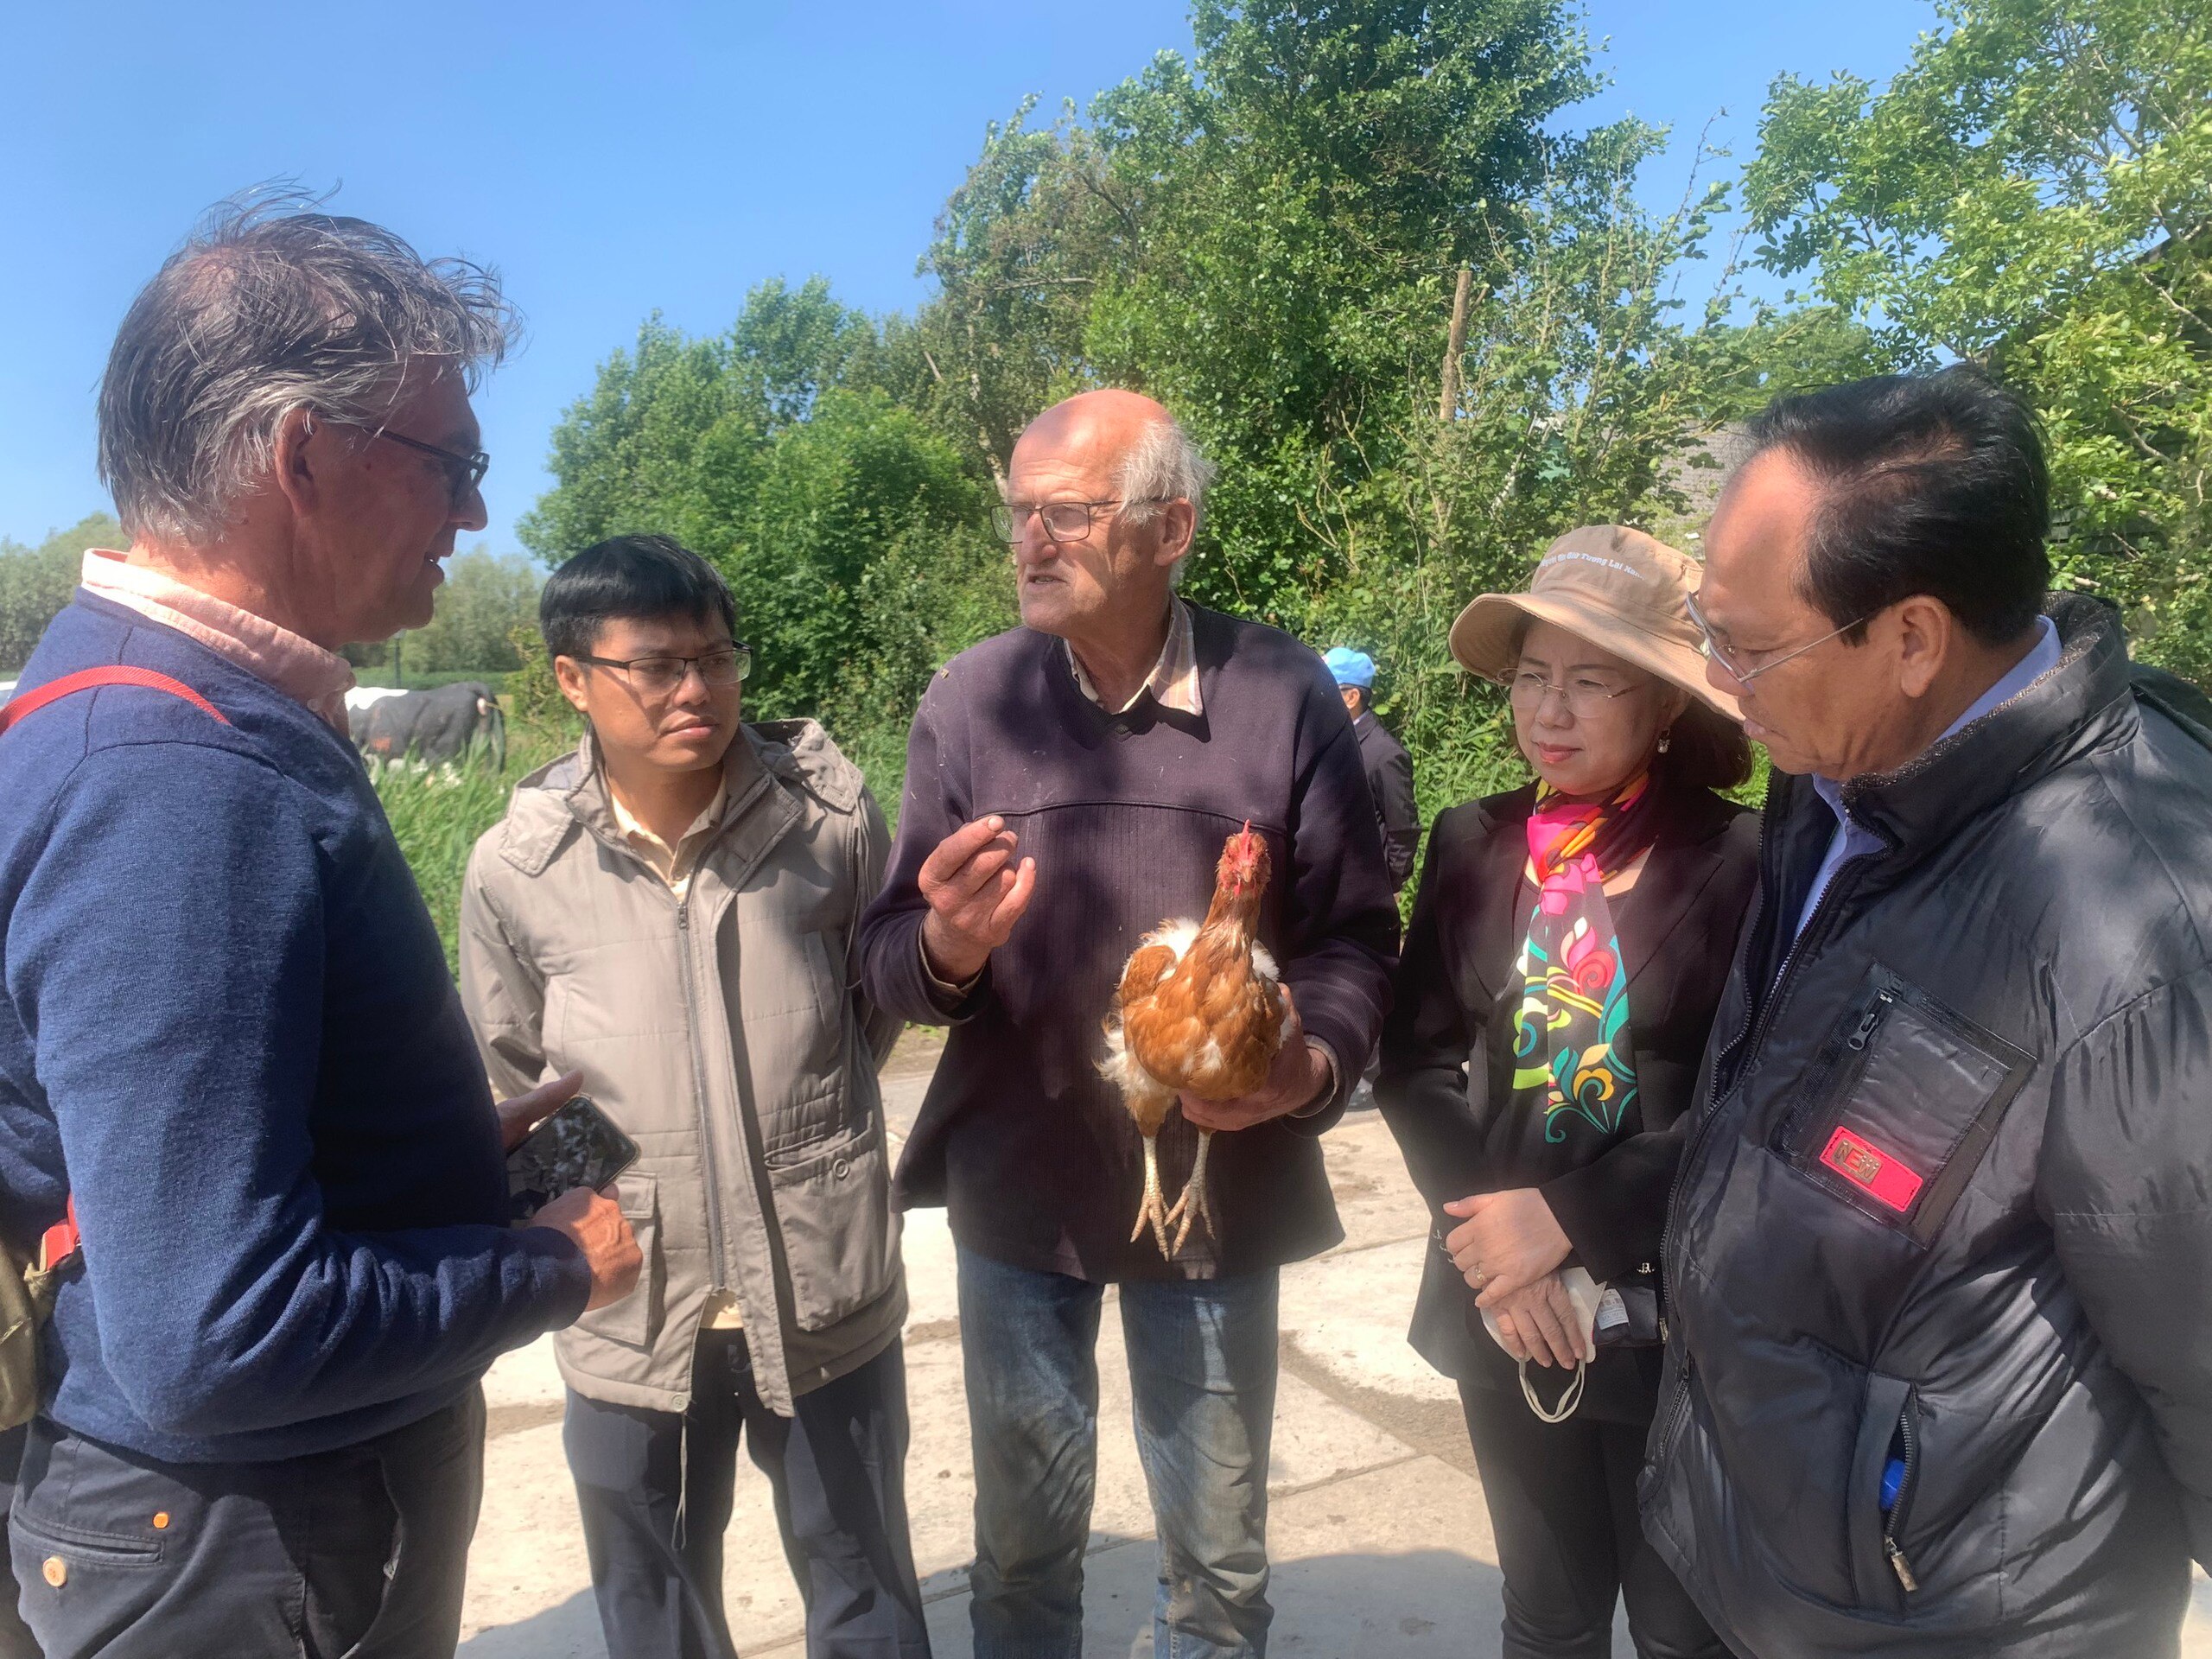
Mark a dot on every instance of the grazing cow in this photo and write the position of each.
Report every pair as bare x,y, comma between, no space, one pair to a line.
362,698
435,727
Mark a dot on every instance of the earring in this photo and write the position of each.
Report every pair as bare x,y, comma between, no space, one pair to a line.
1666,738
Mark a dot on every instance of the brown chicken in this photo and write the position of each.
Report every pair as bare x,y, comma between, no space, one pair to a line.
1199,1012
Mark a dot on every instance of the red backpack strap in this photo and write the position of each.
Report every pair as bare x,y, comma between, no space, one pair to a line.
61,1240
90,679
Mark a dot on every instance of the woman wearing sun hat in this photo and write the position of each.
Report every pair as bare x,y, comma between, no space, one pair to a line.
1567,947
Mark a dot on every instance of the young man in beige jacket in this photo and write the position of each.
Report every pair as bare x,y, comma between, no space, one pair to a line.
669,911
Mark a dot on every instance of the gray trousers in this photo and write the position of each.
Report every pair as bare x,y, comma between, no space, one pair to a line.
360,1552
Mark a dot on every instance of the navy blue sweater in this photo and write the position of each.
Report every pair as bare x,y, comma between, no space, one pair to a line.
1030,1149
228,1028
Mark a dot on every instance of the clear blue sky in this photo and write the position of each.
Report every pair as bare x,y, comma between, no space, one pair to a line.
611,161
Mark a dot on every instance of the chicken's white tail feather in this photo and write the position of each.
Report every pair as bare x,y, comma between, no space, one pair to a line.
1121,1069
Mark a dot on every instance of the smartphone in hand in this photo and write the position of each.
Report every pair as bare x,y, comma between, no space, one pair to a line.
577,1146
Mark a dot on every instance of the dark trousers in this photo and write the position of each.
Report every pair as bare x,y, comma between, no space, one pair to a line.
1562,1503
656,1489
360,1552
15,1639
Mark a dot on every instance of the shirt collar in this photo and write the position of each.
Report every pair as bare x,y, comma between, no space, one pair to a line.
2041,659
1173,681
299,668
672,863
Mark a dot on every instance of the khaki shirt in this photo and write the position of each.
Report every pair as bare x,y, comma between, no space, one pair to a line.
672,864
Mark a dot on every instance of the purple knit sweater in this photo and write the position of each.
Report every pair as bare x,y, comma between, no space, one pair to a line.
1020,1137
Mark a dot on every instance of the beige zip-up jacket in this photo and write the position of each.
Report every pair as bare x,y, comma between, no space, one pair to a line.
726,1032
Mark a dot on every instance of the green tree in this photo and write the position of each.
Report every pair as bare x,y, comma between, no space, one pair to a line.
860,482
486,597
35,582
2034,190
672,434
850,527
1267,237
1312,182
1018,254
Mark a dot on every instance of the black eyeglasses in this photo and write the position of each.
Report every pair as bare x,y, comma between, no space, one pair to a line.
463,472
1063,521
658,676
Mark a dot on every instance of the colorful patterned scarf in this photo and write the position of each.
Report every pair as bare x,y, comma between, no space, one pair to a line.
1574,987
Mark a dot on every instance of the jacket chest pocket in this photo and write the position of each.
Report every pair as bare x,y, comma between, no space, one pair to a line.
1905,1098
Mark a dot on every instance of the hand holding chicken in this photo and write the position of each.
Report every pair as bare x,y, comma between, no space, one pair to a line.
1201,1016
1297,1076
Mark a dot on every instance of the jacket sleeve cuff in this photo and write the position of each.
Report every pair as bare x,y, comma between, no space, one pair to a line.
562,1271
1322,1112
1589,1208
954,1002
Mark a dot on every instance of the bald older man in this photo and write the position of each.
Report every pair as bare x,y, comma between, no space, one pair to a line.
1069,785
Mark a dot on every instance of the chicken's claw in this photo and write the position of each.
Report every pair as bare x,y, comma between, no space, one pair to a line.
1154,1212
1191,1206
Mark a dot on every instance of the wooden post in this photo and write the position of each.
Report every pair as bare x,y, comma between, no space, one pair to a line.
1456,343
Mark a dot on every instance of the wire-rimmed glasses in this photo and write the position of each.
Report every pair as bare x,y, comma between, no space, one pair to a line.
1586,698
1733,663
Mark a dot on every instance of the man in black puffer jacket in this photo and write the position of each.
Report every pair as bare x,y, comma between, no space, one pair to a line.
1939,1262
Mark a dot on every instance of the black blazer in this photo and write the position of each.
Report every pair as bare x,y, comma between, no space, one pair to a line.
1390,780
1442,1083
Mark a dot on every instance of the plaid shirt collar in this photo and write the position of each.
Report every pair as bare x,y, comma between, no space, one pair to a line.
1174,682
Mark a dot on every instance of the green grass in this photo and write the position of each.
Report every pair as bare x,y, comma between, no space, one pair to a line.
494,678
438,814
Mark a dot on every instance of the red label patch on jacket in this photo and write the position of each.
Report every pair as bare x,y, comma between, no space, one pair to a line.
1879,1172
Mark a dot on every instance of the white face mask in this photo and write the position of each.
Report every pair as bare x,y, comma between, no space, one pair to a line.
1595,1305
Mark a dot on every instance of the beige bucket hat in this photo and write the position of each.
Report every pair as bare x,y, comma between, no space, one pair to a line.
1616,588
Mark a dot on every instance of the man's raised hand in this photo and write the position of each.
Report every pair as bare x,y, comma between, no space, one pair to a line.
976,892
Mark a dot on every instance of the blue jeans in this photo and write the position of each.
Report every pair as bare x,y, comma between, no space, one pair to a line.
1202,1370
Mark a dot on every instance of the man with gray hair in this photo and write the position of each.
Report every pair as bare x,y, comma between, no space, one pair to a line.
239,1098
1069,785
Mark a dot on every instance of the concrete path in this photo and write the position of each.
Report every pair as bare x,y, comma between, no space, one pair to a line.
1381,1541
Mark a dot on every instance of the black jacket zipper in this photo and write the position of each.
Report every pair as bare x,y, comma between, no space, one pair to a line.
1839,884
1893,1522
1842,1076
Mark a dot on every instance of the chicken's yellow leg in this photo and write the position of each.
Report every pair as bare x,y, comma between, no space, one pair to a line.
1153,1212
1192,1205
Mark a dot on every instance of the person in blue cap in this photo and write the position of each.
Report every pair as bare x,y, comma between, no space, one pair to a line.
1389,768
